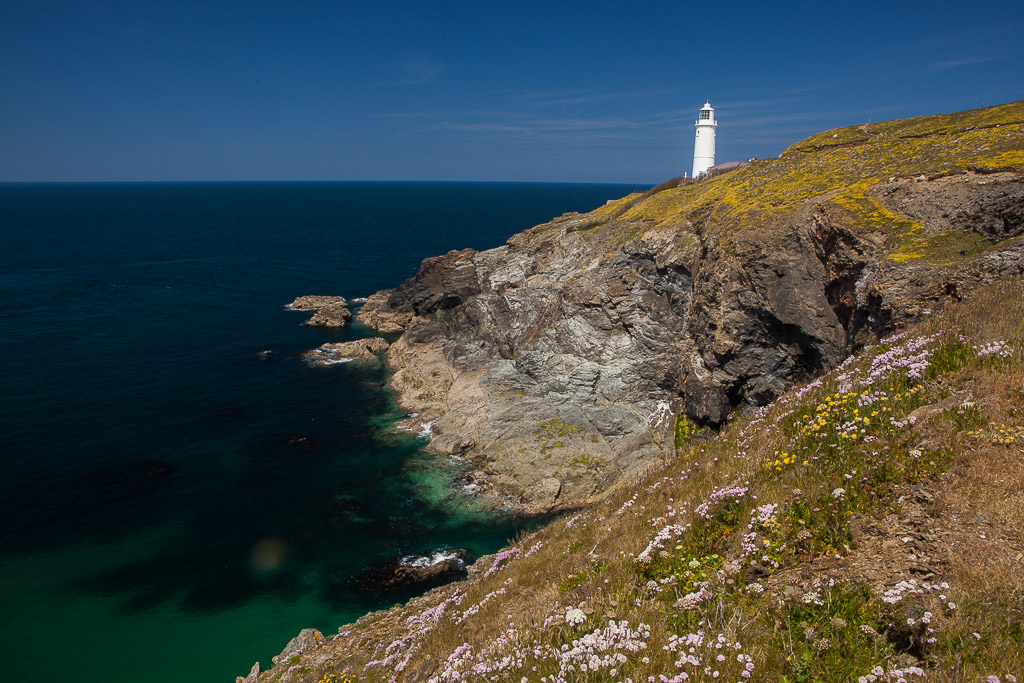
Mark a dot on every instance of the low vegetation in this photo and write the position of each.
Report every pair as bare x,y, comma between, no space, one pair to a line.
868,526
839,168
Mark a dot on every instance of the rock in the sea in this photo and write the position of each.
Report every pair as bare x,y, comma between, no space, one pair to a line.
420,571
315,302
331,311
341,352
331,316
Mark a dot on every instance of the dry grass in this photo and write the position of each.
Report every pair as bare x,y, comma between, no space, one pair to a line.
864,498
819,615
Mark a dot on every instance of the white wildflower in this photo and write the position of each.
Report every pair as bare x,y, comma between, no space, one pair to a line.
575,616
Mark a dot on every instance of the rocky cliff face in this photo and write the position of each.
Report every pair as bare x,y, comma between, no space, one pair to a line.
561,363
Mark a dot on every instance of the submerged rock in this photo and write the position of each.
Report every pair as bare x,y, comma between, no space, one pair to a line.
125,481
420,570
289,445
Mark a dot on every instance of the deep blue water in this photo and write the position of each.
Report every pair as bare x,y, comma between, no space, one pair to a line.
171,503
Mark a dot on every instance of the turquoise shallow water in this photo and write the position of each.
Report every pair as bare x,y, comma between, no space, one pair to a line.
171,502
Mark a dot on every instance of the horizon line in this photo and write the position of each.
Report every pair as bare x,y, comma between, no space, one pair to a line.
240,181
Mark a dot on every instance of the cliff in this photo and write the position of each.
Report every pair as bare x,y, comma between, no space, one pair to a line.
571,359
867,526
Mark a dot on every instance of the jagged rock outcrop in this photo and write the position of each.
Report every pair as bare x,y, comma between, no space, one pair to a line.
559,362
340,352
330,311
420,570
252,677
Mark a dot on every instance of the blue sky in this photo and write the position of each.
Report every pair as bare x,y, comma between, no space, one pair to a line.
378,90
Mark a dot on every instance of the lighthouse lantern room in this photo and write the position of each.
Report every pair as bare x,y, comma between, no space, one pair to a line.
704,143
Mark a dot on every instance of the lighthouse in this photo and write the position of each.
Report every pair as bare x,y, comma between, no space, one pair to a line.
704,143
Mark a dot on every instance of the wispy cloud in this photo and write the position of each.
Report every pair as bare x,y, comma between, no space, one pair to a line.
771,121
1004,32
416,69
569,100
946,65
526,125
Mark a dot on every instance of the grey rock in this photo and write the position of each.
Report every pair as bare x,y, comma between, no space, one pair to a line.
566,354
542,496
307,639
331,316
330,311
253,676
421,570
337,352
316,302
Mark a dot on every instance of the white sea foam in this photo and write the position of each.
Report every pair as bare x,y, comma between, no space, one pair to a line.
326,357
428,559
427,429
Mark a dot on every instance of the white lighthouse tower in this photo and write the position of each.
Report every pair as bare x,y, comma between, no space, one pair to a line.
704,143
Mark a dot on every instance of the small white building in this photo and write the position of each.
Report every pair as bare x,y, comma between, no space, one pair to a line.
704,143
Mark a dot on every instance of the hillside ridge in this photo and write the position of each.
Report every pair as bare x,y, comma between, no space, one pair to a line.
867,525
849,318
559,363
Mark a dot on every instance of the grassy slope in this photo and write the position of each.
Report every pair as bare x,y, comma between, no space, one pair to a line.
832,495
839,167
807,603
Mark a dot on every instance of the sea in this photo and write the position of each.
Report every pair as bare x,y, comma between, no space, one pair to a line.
180,492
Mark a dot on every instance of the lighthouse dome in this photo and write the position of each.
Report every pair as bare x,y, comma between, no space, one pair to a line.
707,114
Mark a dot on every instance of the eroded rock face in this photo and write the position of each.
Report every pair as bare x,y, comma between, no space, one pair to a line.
557,363
376,314
991,206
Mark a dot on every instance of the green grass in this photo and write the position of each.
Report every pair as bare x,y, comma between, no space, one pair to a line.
837,169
